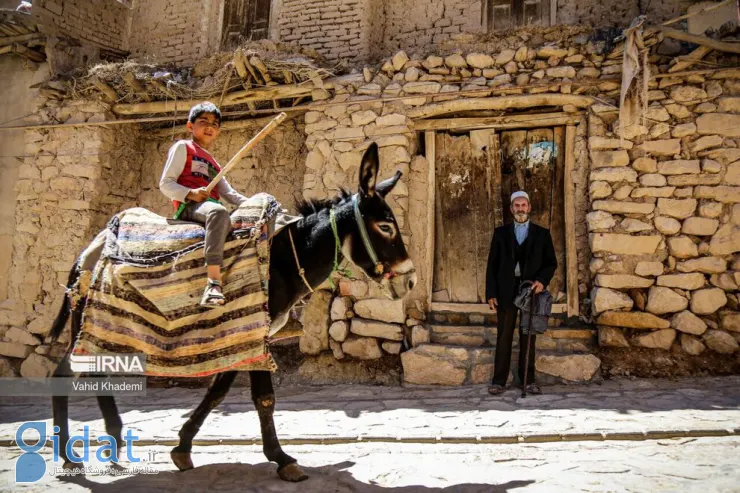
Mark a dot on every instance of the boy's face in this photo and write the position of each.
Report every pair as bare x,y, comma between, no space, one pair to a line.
205,129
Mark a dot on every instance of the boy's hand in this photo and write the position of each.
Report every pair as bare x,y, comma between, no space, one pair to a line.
198,194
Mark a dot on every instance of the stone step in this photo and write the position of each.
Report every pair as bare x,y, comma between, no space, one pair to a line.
439,364
565,340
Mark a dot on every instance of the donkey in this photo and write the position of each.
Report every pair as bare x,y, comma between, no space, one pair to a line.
369,237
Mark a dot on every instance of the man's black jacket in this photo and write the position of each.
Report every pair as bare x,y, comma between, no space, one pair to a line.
540,262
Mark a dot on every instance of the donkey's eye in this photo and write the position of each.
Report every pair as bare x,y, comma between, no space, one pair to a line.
386,229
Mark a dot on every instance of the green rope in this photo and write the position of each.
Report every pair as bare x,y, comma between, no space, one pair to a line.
345,272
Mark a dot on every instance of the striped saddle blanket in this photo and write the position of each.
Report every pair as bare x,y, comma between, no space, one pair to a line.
144,294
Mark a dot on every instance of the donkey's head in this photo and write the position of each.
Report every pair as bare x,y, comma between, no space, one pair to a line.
376,245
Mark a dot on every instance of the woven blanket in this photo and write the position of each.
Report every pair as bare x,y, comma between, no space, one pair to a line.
144,293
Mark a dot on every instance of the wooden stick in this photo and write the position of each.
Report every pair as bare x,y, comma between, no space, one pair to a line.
244,150
9,40
571,258
259,65
226,84
136,85
107,90
705,10
701,40
687,61
32,55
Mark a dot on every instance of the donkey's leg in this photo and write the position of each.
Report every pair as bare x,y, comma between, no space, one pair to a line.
263,396
216,392
113,423
59,405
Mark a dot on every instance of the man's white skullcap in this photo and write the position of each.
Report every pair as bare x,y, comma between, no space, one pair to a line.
518,194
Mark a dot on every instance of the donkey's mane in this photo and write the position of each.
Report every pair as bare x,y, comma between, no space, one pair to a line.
314,206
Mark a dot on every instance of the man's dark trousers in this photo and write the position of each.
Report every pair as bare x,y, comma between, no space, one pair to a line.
506,315
536,256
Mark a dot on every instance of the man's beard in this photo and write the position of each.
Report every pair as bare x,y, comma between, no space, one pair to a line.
521,217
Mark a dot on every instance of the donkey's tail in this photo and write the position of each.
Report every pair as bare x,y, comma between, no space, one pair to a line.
63,316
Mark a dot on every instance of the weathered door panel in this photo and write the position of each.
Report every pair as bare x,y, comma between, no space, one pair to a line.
464,217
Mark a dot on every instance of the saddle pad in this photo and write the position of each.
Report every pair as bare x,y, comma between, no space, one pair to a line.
144,298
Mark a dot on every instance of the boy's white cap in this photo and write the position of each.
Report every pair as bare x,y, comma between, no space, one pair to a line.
518,194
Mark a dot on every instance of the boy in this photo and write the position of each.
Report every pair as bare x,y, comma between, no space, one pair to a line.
188,171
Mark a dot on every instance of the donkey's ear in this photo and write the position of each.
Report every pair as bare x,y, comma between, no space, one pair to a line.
369,170
386,186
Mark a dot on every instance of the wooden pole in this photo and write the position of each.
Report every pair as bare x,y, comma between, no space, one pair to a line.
9,40
107,90
430,152
701,40
571,257
244,150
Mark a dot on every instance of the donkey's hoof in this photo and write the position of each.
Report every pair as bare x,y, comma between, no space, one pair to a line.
182,460
293,473
73,466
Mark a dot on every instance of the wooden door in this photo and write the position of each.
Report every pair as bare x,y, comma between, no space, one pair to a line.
534,161
475,176
464,216
245,20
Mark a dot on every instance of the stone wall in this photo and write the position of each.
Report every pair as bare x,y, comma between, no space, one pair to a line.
173,31
665,219
16,100
104,22
70,182
275,166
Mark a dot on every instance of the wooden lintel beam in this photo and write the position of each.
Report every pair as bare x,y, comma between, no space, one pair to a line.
499,122
500,103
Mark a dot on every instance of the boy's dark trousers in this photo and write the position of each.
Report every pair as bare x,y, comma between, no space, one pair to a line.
506,316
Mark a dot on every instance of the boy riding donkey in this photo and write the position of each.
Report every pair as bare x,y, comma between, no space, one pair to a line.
189,169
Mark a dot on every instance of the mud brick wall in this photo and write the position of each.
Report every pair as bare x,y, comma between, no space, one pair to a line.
419,23
336,29
105,22
171,31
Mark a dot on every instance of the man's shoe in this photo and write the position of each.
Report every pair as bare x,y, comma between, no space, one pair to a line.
496,389
533,389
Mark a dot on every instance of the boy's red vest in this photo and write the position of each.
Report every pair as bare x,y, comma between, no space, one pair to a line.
200,168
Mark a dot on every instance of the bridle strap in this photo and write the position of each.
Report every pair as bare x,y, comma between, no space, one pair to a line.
301,271
379,268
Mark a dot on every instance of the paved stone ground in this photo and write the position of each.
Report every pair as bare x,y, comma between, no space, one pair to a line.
615,409
705,465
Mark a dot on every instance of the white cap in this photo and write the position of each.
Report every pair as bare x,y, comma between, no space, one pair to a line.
518,194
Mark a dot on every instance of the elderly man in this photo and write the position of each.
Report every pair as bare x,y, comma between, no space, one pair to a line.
520,251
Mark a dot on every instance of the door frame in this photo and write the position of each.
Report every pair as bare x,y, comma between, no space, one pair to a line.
512,122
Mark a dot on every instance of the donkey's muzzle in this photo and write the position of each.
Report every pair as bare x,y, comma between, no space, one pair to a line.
404,280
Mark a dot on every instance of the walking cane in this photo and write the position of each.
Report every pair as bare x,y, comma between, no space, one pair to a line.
529,342
237,157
